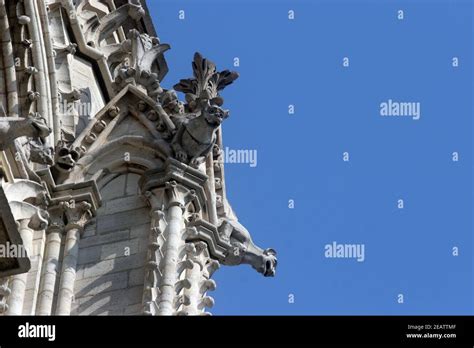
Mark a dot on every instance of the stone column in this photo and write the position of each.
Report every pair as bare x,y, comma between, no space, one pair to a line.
174,202
155,252
51,260
18,282
77,215
166,259
175,194
213,219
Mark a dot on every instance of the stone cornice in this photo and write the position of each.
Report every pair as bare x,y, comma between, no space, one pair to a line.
207,232
107,114
78,192
174,170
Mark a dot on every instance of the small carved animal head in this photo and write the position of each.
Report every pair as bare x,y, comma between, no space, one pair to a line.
214,115
269,263
171,103
40,153
38,123
65,158
263,261
245,251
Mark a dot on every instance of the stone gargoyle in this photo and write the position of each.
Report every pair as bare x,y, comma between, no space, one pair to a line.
244,250
196,129
33,126
196,134
65,157
40,153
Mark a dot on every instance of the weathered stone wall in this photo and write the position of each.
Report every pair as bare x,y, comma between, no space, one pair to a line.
112,253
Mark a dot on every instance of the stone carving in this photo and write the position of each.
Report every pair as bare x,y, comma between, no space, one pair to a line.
171,104
27,201
72,96
31,97
196,135
98,29
40,153
70,48
141,62
196,132
206,84
33,126
65,157
244,249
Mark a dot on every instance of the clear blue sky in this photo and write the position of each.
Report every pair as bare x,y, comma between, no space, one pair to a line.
407,251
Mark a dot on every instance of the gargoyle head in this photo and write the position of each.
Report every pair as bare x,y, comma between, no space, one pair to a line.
38,125
263,261
269,263
41,153
214,114
65,158
171,104
245,251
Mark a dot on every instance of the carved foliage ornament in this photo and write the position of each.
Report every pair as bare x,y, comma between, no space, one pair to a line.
206,84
